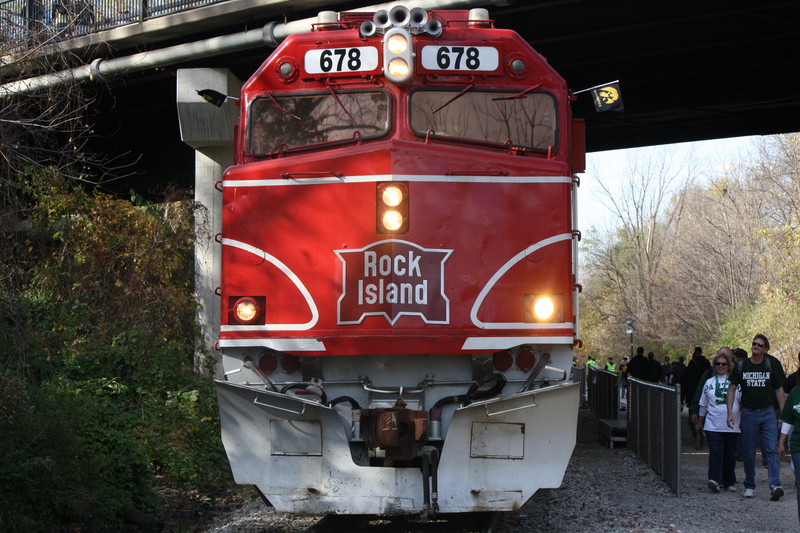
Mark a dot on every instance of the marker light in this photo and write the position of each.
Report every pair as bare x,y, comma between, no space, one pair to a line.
392,207
502,360
525,360
245,310
397,55
268,363
290,363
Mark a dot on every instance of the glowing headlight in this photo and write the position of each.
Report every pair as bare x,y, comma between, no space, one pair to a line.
391,214
392,196
398,57
398,67
246,310
397,43
392,220
543,308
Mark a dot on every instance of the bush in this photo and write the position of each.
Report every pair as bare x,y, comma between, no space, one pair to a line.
98,397
70,460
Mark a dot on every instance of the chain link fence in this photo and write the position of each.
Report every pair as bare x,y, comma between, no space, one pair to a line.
654,428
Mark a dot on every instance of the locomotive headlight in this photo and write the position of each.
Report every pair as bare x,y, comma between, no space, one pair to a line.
397,68
392,207
392,220
398,60
392,195
245,310
397,43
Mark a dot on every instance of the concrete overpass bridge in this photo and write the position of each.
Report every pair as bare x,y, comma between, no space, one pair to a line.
688,71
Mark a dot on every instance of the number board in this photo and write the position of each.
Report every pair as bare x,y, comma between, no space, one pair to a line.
335,60
469,58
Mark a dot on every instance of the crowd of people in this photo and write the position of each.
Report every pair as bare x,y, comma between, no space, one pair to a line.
736,404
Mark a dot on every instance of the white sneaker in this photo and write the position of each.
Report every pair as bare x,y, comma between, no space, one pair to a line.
749,493
731,488
713,485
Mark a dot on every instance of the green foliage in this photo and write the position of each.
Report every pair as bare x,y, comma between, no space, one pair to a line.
70,459
774,315
98,397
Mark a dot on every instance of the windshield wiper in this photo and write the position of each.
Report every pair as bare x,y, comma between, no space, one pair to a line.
519,94
453,99
277,106
336,97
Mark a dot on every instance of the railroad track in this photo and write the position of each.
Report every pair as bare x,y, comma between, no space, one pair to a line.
462,523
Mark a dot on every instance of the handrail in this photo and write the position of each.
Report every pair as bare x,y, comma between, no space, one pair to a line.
26,22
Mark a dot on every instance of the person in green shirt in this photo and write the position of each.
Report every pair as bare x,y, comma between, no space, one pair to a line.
790,425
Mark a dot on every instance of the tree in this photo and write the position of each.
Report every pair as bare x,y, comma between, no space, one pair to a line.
715,265
720,264
775,183
46,128
647,202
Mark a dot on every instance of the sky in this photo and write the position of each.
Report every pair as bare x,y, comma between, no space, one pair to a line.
610,165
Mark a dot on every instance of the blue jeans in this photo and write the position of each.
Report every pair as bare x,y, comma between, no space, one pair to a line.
722,457
760,425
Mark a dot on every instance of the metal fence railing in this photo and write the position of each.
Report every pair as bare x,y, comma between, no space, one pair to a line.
24,23
579,376
654,429
603,393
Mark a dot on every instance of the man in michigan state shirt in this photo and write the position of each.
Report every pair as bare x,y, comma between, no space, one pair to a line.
761,378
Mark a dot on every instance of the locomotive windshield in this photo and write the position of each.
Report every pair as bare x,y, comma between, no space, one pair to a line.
299,120
527,120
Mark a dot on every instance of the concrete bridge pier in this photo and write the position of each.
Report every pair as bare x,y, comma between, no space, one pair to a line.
209,130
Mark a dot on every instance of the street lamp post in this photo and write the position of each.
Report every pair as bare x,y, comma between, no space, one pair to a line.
629,329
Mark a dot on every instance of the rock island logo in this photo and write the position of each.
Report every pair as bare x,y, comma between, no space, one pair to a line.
393,278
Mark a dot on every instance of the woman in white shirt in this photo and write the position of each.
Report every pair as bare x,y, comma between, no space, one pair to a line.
713,419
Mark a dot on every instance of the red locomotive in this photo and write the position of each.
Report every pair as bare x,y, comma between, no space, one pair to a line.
399,261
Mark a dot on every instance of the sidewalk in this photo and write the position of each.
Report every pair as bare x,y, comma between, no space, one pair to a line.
694,471
611,490
694,463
